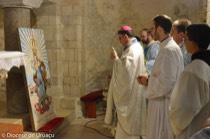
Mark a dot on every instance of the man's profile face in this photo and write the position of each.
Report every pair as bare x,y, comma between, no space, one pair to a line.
175,34
154,31
144,37
123,39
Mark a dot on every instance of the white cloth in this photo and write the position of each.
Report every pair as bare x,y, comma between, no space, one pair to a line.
167,67
8,59
190,105
125,93
121,134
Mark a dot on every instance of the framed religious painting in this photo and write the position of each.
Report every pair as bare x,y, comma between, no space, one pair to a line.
37,76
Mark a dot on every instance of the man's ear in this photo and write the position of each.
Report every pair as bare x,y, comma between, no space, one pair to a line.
126,35
159,30
194,44
181,35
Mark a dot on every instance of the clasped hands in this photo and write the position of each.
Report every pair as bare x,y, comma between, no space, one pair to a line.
143,80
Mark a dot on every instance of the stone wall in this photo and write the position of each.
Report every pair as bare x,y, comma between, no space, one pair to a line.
208,12
2,82
63,29
208,15
1,30
104,17
79,36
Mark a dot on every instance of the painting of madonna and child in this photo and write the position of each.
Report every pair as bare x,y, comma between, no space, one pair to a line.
37,76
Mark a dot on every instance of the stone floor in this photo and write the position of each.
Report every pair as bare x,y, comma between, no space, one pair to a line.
82,128
77,130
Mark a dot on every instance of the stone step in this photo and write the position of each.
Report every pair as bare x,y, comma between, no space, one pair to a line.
72,103
10,128
11,121
69,116
64,107
67,103
24,118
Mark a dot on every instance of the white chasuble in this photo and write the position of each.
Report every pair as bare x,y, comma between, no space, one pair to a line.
125,94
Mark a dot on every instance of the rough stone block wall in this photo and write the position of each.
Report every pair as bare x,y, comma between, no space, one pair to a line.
104,18
71,33
79,36
62,25
208,15
208,12
2,82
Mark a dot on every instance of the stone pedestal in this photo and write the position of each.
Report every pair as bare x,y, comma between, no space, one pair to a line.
16,92
17,14
13,19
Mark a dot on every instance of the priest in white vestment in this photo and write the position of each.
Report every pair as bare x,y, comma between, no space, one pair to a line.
190,99
124,93
167,67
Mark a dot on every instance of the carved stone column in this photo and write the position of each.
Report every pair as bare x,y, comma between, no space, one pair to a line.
17,13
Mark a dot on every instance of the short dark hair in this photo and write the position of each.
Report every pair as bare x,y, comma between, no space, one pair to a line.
138,39
147,30
200,34
163,21
181,24
129,33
